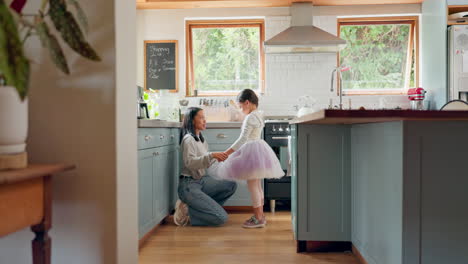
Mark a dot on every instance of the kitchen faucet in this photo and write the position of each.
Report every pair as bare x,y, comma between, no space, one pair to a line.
339,69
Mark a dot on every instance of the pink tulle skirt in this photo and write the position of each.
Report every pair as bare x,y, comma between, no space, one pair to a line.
254,160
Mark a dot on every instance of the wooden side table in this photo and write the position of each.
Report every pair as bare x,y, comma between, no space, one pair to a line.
26,201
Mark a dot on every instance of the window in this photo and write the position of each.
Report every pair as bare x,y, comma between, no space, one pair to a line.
381,53
224,57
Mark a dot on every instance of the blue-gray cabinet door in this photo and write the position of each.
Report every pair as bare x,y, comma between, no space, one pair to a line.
173,175
242,195
160,183
323,183
145,191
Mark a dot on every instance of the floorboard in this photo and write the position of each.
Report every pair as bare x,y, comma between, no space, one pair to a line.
232,244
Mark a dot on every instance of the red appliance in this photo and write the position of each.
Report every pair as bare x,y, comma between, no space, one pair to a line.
416,94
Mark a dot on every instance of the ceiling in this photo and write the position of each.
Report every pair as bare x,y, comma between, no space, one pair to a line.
181,4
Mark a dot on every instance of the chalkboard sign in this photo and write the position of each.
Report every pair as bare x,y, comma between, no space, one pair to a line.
161,65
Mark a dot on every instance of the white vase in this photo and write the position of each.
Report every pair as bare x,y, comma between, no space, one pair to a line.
13,121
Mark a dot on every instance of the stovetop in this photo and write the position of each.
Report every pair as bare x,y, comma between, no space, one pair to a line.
277,128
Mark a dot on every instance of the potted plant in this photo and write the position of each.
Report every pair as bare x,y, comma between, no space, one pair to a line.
15,29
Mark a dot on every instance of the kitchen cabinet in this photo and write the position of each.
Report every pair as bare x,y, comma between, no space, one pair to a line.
174,163
158,174
408,182
294,195
377,191
321,197
395,182
220,139
145,191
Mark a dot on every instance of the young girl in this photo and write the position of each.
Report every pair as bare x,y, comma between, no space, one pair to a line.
252,159
201,196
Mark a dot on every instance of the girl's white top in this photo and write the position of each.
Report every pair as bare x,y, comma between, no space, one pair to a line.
251,129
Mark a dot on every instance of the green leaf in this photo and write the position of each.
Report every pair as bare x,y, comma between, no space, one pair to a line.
66,24
50,42
81,16
13,64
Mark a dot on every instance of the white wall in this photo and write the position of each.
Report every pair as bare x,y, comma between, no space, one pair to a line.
73,119
287,76
126,133
434,56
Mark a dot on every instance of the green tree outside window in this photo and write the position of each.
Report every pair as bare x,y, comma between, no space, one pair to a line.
377,55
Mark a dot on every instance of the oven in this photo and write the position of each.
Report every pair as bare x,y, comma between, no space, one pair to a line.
276,134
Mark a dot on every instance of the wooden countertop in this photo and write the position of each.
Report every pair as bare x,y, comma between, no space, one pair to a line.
32,171
377,116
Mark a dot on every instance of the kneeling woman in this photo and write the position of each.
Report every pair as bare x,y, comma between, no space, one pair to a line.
201,196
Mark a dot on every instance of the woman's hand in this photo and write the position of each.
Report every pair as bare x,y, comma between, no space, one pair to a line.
219,156
229,152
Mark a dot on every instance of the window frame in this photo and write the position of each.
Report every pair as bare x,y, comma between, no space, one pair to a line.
413,48
191,24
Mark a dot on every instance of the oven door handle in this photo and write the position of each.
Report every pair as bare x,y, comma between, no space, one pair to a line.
288,171
279,138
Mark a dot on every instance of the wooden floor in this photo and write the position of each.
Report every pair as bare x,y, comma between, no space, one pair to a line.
232,244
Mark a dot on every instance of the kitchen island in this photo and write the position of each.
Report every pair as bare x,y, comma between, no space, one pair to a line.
390,183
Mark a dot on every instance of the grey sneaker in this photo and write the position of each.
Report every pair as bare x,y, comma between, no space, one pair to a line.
253,222
181,216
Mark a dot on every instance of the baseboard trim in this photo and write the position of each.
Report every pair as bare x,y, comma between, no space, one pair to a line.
234,209
358,255
145,238
329,246
323,246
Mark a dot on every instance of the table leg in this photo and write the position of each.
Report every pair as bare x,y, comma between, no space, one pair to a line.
41,245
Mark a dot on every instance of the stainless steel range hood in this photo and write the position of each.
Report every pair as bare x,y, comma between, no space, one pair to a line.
303,36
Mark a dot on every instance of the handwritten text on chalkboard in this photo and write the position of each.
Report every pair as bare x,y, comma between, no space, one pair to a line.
161,65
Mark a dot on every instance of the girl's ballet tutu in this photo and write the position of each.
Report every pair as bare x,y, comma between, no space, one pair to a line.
254,160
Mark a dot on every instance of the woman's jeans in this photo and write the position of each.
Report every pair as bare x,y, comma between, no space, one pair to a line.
205,198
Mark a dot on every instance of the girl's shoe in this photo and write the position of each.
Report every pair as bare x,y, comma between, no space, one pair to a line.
181,216
253,222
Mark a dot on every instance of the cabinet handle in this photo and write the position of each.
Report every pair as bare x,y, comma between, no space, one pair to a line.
147,137
221,136
172,136
155,153
278,138
161,137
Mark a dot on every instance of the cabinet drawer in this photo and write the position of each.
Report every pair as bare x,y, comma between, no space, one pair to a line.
154,137
221,136
146,139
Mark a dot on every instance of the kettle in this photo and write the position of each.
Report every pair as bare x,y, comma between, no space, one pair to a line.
142,106
142,110
306,104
